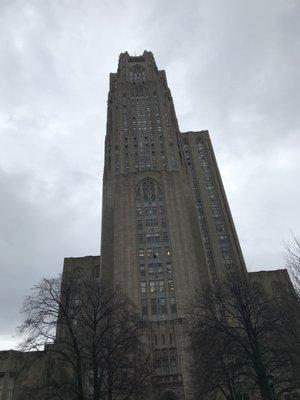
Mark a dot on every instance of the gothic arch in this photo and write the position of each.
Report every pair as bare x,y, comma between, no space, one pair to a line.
137,73
147,178
137,68
151,186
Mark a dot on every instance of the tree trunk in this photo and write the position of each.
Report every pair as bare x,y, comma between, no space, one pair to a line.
80,395
263,381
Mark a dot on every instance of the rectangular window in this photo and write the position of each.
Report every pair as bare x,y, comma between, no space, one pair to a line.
151,270
169,268
141,253
161,286
171,285
140,238
160,268
216,210
224,246
173,307
152,286
223,238
219,226
173,364
143,287
163,305
226,254
142,270
157,360
165,364
144,307
153,307
165,236
228,264
140,225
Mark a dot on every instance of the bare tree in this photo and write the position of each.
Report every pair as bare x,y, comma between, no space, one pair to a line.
240,343
95,335
216,368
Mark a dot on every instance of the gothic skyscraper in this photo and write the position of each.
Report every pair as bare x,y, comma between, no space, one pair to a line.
167,232
167,235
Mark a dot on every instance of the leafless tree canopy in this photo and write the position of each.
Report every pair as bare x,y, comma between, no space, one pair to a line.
241,343
95,335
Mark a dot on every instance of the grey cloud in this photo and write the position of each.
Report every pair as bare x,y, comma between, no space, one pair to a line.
233,68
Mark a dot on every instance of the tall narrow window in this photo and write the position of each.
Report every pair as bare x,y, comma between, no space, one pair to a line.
154,257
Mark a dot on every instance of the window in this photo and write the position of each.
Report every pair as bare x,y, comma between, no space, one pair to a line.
154,251
165,236
142,269
140,225
161,286
169,268
143,287
144,307
165,361
151,270
165,364
140,238
141,253
216,210
173,363
228,264
153,307
171,285
173,305
152,286
159,268
163,305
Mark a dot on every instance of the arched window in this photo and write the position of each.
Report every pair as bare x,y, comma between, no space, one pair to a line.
154,253
137,73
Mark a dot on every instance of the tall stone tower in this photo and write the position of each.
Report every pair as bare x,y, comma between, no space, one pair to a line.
167,231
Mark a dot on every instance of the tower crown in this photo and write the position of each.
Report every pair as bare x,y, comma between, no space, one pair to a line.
137,68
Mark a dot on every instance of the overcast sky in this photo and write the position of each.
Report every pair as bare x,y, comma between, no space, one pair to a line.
233,68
